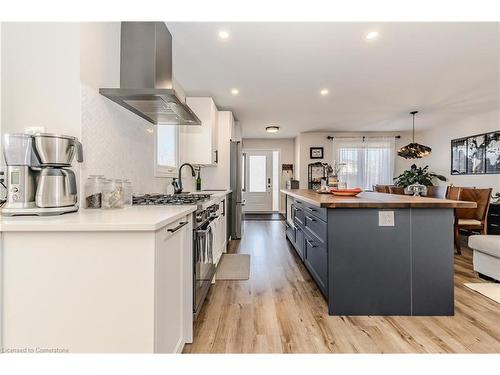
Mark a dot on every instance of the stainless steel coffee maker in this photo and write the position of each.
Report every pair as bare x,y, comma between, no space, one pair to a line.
39,178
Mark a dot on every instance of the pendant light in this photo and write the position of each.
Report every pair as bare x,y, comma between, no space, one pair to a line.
414,150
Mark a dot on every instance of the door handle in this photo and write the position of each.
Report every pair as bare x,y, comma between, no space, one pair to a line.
269,182
310,218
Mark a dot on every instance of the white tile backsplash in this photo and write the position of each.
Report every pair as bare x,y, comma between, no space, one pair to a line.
117,144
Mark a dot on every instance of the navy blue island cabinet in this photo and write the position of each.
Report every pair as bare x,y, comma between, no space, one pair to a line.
376,254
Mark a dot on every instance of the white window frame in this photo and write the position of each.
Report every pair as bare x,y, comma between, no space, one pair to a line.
165,170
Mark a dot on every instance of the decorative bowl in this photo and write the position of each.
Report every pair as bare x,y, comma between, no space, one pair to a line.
346,192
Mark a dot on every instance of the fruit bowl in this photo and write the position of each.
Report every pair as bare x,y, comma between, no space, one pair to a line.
346,192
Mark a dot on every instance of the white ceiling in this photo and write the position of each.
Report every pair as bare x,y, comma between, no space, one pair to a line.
444,70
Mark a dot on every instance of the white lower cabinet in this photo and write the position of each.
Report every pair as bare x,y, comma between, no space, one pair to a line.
173,287
98,291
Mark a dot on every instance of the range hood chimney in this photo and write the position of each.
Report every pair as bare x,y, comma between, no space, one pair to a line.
146,76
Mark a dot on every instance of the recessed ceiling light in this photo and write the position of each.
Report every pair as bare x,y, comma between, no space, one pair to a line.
235,91
272,129
223,34
372,35
324,92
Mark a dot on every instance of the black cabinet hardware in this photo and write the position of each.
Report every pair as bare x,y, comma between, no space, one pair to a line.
181,224
310,243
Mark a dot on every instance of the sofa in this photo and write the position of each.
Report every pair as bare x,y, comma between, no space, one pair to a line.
486,257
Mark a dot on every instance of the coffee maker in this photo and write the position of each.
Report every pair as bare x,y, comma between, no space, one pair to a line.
39,176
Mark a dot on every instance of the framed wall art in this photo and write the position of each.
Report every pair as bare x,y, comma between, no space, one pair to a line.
316,152
477,154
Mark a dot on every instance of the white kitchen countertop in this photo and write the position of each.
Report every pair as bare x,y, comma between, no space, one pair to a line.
135,218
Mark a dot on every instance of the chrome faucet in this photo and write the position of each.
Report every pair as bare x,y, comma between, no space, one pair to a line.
177,183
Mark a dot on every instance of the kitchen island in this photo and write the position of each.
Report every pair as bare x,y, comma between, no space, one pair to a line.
376,254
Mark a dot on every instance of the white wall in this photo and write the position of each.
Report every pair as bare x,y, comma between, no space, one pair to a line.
41,77
304,141
285,145
287,155
439,138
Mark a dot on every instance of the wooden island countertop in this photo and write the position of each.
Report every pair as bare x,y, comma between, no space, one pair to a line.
374,200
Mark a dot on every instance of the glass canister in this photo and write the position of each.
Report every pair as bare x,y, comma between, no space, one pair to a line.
112,194
93,191
127,193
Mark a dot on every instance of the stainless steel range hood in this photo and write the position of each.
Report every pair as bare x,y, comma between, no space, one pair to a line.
146,76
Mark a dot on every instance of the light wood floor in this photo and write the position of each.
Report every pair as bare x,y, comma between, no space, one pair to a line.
280,310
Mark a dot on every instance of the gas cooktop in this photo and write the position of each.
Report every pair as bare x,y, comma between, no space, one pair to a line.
169,199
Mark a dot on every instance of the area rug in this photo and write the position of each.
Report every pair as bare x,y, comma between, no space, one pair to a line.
490,290
233,267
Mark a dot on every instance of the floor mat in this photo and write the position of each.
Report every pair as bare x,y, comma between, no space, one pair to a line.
233,267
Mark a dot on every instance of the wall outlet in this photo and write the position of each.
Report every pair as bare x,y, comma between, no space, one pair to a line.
386,218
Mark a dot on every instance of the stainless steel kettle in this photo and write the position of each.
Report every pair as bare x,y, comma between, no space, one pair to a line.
56,188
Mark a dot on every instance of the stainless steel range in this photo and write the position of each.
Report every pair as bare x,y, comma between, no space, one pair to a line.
203,237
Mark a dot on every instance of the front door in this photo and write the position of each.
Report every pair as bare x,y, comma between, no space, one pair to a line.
258,181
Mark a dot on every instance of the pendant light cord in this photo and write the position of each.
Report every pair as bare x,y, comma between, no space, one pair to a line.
413,127
413,113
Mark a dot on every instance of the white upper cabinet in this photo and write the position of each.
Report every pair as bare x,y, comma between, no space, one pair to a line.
219,177
199,143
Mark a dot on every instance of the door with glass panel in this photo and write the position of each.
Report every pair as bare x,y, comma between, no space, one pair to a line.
258,181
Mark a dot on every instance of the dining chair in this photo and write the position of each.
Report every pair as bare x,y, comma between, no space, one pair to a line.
471,218
453,192
397,190
437,191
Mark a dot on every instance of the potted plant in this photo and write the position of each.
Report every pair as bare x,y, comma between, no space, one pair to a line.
417,175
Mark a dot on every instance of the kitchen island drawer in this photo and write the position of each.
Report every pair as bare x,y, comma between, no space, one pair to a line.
319,212
300,243
316,261
316,227
298,215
